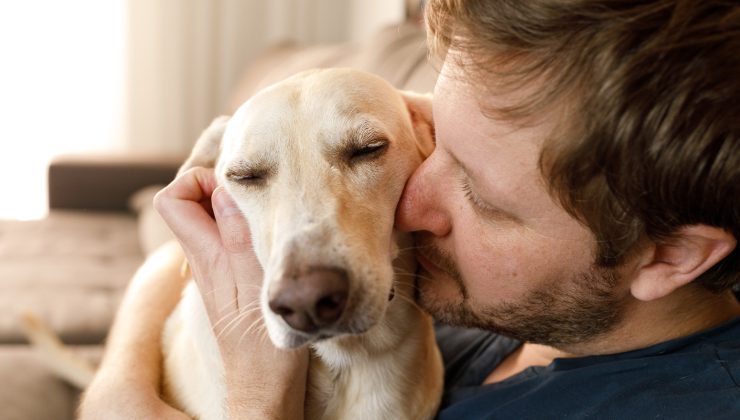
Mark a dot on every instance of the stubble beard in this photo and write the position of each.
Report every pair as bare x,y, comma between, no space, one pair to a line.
572,311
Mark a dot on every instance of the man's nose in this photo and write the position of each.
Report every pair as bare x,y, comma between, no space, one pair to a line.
422,204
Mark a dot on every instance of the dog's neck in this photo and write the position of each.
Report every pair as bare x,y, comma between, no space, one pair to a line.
370,372
366,368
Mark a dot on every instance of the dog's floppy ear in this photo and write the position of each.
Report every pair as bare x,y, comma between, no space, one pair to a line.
208,147
420,110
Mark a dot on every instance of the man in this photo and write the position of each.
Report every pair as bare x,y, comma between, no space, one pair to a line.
583,198
580,210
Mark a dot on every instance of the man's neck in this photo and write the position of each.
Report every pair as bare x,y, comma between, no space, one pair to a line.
684,312
645,324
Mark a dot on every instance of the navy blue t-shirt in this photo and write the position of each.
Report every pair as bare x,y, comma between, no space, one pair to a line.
694,377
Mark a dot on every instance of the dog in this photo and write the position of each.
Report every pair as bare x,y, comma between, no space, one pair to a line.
317,164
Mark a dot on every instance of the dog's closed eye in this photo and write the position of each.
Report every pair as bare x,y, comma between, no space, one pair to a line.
248,176
370,150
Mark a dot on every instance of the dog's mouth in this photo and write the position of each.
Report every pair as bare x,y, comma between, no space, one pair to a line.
298,338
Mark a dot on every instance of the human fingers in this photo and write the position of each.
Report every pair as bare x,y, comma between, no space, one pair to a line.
123,399
236,239
231,222
184,206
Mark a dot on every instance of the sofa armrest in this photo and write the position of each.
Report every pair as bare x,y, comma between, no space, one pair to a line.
105,182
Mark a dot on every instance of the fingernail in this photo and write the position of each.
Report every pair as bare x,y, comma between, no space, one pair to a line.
223,204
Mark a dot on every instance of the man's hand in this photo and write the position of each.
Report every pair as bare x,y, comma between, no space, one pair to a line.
262,380
116,399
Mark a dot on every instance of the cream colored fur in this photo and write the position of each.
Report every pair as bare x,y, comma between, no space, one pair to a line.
320,206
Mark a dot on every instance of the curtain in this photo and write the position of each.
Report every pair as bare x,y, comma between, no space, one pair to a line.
185,56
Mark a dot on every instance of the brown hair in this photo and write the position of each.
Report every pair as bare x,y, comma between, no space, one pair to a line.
655,91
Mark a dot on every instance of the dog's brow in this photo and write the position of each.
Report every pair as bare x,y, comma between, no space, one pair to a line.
358,136
364,132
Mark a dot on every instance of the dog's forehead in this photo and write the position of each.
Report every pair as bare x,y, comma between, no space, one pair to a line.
356,93
319,105
328,93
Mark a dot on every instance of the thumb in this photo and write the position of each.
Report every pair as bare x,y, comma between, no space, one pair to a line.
232,225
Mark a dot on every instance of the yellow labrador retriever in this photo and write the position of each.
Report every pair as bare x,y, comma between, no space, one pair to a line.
317,164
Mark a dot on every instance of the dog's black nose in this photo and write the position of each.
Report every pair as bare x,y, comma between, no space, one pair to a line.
311,301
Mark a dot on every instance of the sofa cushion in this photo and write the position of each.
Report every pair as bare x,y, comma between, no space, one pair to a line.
70,269
30,391
153,231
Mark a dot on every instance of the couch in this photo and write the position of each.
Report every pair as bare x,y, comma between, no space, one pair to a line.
72,267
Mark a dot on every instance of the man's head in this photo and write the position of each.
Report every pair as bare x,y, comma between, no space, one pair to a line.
587,156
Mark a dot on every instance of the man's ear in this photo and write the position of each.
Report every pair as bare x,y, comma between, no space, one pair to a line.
690,252
420,111
208,147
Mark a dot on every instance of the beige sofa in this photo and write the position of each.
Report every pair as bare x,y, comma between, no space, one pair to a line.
72,267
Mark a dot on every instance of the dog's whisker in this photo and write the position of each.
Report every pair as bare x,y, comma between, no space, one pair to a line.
414,247
404,298
249,308
245,310
228,304
406,274
231,325
224,318
231,286
256,327
250,311
215,290
225,329
263,337
414,275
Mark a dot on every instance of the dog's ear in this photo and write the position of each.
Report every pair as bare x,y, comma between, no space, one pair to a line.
208,147
420,111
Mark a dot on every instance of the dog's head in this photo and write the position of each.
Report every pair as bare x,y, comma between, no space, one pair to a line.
317,164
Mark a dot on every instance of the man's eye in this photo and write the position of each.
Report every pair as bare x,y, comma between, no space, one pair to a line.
483,208
472,197
369,151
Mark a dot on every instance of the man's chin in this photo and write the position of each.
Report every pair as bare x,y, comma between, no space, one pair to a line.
444,299
557,317
446,306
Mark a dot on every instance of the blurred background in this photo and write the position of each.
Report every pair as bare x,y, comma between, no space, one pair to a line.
139,76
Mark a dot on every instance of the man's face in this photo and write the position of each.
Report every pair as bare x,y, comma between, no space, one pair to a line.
495,249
